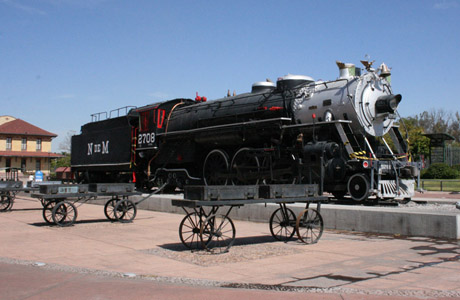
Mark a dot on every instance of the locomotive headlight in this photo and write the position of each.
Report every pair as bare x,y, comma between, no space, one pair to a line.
387,104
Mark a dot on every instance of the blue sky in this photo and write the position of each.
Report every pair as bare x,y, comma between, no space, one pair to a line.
62,60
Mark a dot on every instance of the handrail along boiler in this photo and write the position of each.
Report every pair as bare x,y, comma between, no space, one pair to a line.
295,131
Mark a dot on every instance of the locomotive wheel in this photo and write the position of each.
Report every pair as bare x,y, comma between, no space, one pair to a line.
109,209
189,231
217,233
125,211
64,214
6,202
282,227
309,226
215,164
358,187
244,167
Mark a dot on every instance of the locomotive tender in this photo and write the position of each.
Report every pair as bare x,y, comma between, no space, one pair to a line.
295,131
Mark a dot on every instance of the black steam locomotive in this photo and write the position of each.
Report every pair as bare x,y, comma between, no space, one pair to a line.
298,130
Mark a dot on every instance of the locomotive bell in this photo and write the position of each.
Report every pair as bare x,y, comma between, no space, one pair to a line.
384,70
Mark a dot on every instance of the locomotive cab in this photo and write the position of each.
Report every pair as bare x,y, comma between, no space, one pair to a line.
151,121
150,124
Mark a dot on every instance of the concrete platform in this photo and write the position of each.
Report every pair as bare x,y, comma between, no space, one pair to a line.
342,265
366,219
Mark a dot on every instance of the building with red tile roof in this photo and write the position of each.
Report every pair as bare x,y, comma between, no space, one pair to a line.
25,146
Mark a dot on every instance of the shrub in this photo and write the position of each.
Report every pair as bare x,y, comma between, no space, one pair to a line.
439,171
457,168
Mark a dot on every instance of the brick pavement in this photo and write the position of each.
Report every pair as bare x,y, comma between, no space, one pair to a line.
341,263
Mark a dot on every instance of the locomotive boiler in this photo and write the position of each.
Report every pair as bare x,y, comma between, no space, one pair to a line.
296,130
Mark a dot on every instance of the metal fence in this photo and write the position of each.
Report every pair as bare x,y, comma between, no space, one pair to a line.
444,185
452,155
449,155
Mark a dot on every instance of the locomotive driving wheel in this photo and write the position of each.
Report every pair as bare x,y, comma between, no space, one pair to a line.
217,233
215,168
282,224
309,226
245,168
358,187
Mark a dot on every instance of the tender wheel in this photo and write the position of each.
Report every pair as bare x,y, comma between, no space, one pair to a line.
6,202
215,168
125,211
64,214
282,226
217,233
109,209
309,226
245,168
358,187
189,231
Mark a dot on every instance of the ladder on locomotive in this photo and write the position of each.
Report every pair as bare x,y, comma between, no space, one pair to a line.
398,139
348,137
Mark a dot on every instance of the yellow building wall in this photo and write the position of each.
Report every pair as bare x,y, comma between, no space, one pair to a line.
6,119
46,145
16,145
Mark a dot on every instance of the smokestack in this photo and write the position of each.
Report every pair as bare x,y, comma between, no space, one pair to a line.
347,70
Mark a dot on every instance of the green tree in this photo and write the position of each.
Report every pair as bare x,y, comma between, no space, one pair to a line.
61,162
418,143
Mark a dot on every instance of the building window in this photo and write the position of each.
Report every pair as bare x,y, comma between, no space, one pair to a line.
24,144
8,143
38,165
39,144
8,164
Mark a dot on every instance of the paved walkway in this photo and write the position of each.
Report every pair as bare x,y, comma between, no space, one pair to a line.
88,260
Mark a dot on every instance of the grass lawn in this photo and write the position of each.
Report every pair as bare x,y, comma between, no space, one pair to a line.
446,185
